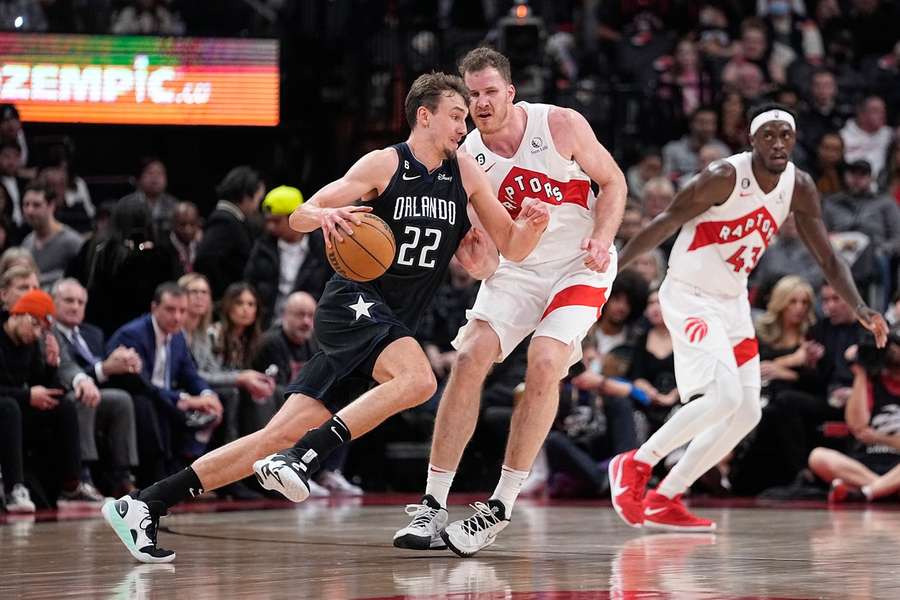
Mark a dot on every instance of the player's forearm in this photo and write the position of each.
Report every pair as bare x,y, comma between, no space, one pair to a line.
838,275
307,218
609,209
658,231
521,240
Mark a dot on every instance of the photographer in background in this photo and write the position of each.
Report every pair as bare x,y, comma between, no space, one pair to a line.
873,415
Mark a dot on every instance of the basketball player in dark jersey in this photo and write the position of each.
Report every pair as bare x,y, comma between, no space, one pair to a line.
425,192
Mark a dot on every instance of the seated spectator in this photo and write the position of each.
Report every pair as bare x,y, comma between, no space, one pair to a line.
53,244
112,420
626,302
733,121
651,267
284,261
873,415
647,167
683,85
658,195
185,235
786,255
234,340
11,130
867,136
889,183
152,182
48,423
860,211
227,241
184,409
652,368
76,209
632,223
122,269
14,187
681,157
16,256
709,153
828,167
822,114
146,17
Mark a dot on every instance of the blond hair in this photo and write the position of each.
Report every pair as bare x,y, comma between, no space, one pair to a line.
769,328
183,282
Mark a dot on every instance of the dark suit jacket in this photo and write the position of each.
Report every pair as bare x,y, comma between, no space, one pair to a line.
264,271
139,335
223,251
93,337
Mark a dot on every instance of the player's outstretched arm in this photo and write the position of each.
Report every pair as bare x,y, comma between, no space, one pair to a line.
330,208
574,137
808,217
514,239
712,186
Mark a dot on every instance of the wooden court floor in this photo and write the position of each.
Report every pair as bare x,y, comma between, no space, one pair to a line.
336,549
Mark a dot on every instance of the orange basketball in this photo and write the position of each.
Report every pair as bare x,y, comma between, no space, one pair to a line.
366,254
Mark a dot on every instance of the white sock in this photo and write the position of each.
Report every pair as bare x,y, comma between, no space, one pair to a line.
508,487
723,396
438,484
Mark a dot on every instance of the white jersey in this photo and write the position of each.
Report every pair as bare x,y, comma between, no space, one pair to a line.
717,250
538,170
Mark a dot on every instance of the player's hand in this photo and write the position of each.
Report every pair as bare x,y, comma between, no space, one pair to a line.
335,219
473,250
875,323
87,393
598,257
534,214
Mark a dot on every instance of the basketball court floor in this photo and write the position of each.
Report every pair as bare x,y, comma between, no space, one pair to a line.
337,549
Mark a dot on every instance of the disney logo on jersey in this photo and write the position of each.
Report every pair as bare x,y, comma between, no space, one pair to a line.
537,144
522,183
442,177
759,221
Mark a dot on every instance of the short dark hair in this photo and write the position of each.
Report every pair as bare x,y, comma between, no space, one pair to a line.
40,186
239,183
761,108
427,90
167,287
146,161
483,57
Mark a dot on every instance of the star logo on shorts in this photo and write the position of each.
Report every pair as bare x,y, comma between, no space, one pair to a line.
361,308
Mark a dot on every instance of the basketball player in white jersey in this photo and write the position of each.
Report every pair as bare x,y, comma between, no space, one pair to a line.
527,150
728,216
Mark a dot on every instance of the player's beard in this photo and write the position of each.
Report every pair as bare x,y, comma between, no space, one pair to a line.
450,153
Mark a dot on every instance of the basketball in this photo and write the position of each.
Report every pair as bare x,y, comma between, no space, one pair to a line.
366,254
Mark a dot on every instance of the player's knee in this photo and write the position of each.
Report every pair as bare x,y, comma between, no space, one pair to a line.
818,460
472,362
729,391
422,386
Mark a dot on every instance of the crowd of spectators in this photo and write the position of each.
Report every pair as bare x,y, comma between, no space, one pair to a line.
168,331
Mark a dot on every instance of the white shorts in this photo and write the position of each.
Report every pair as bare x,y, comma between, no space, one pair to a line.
559,301
707,330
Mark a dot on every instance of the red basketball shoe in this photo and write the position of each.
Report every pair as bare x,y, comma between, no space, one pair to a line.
627,480
669,514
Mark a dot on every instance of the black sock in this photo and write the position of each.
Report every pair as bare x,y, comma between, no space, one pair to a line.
332,434
173,489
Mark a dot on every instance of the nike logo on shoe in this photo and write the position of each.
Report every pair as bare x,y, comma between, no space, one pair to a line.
653,511
617,488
